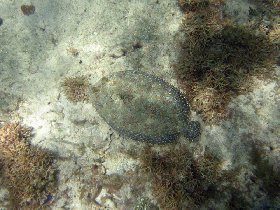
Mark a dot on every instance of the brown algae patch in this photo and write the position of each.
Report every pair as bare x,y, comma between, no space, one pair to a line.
29,173
218,58
75,88
179,180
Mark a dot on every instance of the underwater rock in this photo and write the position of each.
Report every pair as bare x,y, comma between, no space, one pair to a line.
143,107
27,9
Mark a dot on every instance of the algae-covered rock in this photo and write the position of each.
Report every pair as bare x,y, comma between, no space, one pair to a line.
143,107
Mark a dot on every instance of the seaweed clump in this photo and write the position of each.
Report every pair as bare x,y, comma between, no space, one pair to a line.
75,88
179,180
28,172
193,5
218,58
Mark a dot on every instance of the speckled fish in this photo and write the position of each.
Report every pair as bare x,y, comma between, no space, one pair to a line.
143,107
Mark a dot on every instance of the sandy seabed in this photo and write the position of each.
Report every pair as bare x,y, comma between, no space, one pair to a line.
75,38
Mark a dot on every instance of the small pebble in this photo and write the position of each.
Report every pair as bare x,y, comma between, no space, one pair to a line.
28,9
1,21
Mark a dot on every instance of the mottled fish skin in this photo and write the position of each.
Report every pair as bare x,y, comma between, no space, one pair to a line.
164,139
177,97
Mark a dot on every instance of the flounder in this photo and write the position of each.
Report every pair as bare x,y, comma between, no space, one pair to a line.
143,107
